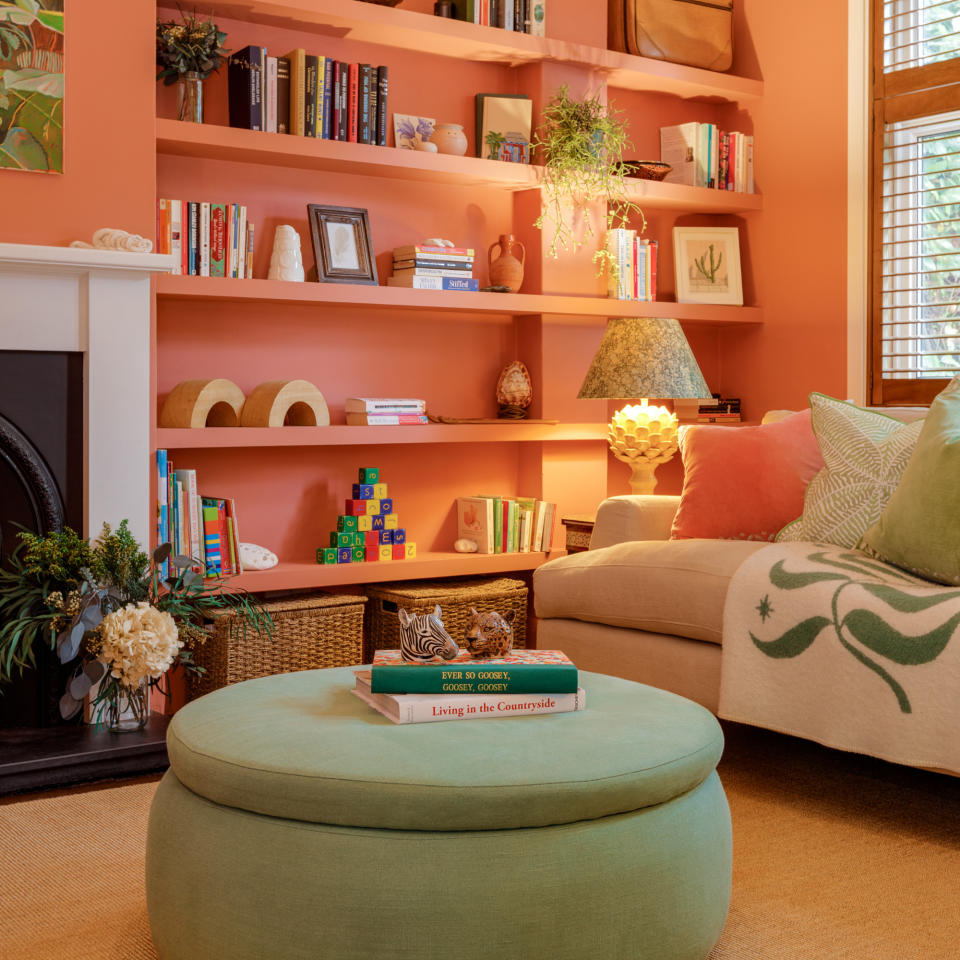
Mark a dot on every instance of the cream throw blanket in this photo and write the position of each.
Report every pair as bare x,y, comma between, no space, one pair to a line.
826,643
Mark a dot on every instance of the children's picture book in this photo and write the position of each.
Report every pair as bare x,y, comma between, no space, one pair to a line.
475,522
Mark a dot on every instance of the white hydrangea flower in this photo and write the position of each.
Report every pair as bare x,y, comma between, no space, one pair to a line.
138,641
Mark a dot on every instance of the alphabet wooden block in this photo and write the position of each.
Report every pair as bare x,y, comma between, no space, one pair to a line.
364,523
399,551
386,552
347,523
279,403
391,521
371,554
379,491
344,539
373,506
386,506
369,475
327,555
356,508
376,523
363,491
410,551
386,536
344,554
399,535
371,538
359,554
203,403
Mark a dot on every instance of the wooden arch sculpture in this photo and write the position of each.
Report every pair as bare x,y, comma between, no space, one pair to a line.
203,403
277,403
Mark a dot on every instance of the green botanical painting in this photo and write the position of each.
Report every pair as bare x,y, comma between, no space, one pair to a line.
31,85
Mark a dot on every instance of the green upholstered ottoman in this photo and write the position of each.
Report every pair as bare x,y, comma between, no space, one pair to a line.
295,822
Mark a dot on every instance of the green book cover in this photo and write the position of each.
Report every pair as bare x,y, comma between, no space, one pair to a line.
497,520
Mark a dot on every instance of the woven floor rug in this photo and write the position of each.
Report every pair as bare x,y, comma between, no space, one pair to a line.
836,857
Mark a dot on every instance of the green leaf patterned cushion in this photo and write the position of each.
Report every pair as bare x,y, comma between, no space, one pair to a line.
865,454
919,530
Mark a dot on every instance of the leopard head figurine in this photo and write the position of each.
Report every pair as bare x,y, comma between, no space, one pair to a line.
489,634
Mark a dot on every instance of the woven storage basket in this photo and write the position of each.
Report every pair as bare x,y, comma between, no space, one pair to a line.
323,630
455,597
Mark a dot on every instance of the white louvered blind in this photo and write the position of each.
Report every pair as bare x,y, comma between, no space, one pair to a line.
919,32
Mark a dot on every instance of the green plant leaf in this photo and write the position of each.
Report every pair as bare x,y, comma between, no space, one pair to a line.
907,602
24,12
870,566
34,81
902,699
794,641
877,635
794,581
52,19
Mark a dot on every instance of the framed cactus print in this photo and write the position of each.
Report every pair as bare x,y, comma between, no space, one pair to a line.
707,265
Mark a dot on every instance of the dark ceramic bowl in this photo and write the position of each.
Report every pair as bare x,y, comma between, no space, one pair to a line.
649,169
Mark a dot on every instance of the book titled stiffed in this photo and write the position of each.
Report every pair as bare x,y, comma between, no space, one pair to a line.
523,671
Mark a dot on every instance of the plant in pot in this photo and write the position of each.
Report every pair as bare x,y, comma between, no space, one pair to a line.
580,144
188,51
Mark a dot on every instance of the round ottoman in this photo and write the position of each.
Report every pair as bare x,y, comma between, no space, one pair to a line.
295,822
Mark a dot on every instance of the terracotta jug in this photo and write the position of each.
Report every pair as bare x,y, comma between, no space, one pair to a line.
506,270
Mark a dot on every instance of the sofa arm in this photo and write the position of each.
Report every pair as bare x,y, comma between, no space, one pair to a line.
633,518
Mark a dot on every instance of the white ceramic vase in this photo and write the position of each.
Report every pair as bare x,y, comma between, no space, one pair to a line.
286,261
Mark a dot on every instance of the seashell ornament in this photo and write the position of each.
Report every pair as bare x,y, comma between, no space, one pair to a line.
463,545
514,391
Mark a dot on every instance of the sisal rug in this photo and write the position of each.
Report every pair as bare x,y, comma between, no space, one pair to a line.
836,857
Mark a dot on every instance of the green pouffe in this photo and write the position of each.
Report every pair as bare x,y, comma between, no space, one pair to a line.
295,822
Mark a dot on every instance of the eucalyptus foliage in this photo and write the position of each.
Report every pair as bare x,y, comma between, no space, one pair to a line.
190,46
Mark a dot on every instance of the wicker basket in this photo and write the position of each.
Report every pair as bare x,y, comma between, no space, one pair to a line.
455,597
322,630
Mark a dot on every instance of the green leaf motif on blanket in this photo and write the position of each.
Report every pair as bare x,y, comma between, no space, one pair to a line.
795,640
907,602
877,635
794,581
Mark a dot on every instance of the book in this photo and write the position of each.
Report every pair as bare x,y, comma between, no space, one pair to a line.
419,282
297,97
353,87
385,419
406,272
193,521
283,95
218,239
245,88
372,97
538,21
363,103
678,146
475,522
204,239
321,91
311,86
176,235
270,94
522,671
326,118
211,537
510,116
429,707
163,508
415,250
434,263
241,233
381,404
248,260
382,84
343,98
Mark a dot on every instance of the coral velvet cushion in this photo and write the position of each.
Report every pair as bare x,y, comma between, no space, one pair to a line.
745,483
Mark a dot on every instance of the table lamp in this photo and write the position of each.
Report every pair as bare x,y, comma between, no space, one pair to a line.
643,357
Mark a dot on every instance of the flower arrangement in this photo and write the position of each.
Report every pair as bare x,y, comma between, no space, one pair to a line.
105,607
190,46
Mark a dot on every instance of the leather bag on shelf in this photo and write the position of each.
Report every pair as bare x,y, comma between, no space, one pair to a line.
697,33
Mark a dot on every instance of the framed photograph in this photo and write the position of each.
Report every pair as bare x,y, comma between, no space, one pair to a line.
342,245
707,263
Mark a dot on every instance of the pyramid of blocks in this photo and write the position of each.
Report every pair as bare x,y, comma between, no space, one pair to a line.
368,529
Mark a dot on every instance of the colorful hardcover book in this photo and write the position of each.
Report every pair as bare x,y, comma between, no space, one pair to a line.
522,671
163,226
298,91
383,75
475,522
428,707
211,537
191,514
218,239
193,239
353,101
248,259
385,419
321,93
176,234
204,239
468,284
163,508
311,87
241,246
338,69
245,88
372,97
231,266
344,98
364,71
234,531
283,95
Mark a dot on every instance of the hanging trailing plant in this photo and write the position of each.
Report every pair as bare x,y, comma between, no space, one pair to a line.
580,144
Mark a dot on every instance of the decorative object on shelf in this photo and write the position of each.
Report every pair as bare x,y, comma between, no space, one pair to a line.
707,265
444,8
410,131
489,634
643,357
438,242
434,418
426,146
286,260
189,51
203,403
495,288
254,557
342,245
648,169
506,270
423,637
449,138
384,3
110,238
580,144
698,35
503,126
514,392
281,403
31,86
465,546
106,602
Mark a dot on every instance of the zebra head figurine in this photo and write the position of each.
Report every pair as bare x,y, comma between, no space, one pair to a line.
423,637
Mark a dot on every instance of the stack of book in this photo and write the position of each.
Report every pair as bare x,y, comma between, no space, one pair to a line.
704,156
523,683
635,276
506,524
433,268
385,411
520,16
204,528
206,239
308,95
715,410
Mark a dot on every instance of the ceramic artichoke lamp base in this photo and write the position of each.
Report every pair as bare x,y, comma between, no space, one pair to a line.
644,437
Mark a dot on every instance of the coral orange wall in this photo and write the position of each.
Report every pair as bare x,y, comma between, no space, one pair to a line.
108,176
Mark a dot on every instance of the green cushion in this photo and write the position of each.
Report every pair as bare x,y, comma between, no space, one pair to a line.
920,528
865,454
302,747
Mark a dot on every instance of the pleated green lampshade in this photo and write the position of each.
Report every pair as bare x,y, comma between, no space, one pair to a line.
644,357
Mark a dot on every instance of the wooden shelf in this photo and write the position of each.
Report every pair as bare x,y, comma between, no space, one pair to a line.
212,142
300,576
212,289
210,438
410,30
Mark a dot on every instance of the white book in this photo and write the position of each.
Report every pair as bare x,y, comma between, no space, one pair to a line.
538,18
537,526
270,95
205,239
392,404
402,272
430,707
678,148
176,235
748,164
231,270
526,517
549,512
508,14
242,244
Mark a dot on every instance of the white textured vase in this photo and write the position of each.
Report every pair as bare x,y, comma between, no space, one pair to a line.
286,261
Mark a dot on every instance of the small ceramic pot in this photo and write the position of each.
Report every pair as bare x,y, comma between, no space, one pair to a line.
450,138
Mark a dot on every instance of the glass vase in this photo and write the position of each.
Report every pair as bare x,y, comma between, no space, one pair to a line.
128,708
190,98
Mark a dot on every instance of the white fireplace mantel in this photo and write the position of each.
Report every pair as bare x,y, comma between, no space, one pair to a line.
94,302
